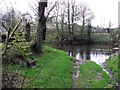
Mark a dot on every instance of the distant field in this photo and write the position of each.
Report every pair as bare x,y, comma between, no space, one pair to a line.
96,37
101,37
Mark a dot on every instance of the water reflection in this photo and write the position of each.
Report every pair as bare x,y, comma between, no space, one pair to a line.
78,56
83,53
96,53
99,57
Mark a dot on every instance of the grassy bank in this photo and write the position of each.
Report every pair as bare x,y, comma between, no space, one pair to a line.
54,70
97,38
112,64
101,37
92,76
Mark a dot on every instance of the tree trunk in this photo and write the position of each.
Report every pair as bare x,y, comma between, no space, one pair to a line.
41,29
83,25
72,18
89,33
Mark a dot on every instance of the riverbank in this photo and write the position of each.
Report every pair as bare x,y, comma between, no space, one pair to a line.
54,70
112,65
92,76
97,38
101,38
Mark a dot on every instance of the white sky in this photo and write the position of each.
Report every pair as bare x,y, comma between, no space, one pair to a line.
104,10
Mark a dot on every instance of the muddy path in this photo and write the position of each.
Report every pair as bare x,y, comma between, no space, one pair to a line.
76,71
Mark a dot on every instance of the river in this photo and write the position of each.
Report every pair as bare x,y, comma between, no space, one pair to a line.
96,53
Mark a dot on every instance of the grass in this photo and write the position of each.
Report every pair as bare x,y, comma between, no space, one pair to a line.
55,70
112,65
92,76
101,37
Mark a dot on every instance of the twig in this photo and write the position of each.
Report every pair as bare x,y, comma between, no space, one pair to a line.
51,9
24,78
4,26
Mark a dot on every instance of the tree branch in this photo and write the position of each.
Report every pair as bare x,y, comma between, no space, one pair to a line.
4,26
51,9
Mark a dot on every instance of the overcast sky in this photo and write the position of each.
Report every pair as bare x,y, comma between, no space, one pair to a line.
104,10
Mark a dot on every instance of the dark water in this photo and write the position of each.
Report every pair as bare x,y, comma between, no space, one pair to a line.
96,53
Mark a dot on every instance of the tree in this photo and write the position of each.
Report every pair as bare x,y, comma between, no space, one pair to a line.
68,16
37,47
51,5
86,15
56,15
62,20
59,16
73,15
10,18
89,32
9,14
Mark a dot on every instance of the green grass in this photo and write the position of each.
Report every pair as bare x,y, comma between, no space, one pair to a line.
101,37
112,65
55,69
92,76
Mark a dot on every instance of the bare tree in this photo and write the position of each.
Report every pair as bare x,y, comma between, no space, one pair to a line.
48,10
9,14
56,12
73,15
86,15
59,15
68,15
62,18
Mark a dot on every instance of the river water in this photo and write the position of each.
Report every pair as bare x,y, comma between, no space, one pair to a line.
96,53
